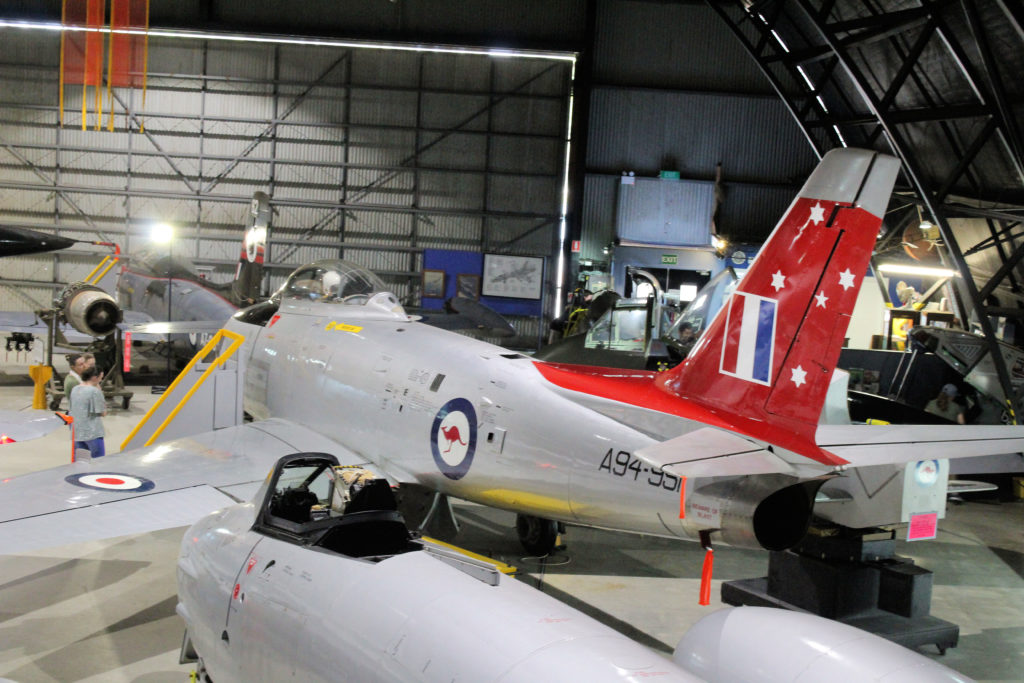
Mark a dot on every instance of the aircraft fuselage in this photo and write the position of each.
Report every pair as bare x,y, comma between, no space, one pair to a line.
471,420
189,301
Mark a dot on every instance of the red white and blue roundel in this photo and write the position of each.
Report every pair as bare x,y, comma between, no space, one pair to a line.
110,481
453,438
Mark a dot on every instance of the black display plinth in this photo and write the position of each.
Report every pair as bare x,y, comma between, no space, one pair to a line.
855,580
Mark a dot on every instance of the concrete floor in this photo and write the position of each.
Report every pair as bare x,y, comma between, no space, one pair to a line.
104,611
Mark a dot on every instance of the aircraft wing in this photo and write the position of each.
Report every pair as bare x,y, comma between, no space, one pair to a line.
171,484
21,321
711,452
162,327
25,425
28,322
866,445
469,315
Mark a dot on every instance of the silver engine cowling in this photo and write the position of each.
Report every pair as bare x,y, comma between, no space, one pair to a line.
88,309
766,511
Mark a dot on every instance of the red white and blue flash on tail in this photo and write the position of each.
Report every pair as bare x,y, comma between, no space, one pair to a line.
750,338
765,363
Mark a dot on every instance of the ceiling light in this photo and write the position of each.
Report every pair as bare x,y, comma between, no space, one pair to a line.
293,40
161,233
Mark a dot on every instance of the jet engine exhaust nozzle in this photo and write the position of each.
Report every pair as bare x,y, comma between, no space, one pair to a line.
89,309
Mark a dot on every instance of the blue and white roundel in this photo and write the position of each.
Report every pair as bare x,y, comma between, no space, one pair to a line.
926,472
110,481
453,438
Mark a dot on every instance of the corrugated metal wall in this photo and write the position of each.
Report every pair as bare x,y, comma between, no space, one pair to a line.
369,154
754,138
674,90
671,45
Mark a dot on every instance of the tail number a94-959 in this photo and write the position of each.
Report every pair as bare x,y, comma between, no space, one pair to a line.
621,463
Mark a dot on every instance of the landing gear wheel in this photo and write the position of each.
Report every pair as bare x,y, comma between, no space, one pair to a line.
55,404
125,400
538,536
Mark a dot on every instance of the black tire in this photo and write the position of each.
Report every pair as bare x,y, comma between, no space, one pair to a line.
538,536
125,400
55,404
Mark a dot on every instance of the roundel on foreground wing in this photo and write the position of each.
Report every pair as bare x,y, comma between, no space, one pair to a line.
110,481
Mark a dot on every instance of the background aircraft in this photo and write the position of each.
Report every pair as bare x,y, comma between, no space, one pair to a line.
726,444
166,287
16,240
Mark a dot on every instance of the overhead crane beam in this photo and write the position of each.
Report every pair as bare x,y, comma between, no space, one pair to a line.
798,48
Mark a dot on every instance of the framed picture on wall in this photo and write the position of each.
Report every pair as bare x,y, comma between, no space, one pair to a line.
519,277
467,285
433,283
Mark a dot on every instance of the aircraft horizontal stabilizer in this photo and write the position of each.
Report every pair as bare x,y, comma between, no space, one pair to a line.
865,445
710,452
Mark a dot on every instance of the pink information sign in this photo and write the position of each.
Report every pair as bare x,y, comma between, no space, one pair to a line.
923,526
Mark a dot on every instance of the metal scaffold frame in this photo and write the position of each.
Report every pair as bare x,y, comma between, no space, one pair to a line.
922,83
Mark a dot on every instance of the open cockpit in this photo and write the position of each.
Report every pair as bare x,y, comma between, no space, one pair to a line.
310,500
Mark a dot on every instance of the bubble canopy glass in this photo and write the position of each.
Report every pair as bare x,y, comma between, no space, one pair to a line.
331,280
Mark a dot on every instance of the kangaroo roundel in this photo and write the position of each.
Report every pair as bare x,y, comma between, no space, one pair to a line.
453,438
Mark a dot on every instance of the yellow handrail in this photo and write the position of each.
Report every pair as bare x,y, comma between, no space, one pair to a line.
108,261
236,341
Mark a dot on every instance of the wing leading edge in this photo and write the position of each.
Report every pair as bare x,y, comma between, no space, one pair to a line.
164,486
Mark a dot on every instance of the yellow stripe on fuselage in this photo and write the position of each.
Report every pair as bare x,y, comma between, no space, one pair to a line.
511,499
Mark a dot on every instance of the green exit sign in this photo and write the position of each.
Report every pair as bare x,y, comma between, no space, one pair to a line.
670,259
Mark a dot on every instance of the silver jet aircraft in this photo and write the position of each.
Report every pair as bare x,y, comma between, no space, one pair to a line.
319,579
165,287
727,445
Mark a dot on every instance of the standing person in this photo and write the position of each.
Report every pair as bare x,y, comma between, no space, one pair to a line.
74,376
88,407
77,364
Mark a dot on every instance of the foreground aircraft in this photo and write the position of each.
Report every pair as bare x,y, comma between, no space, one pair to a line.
268,590
727,445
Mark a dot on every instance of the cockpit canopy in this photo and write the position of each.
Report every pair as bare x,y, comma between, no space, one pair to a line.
158,260
330,280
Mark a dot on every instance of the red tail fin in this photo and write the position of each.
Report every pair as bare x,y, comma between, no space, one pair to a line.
770,352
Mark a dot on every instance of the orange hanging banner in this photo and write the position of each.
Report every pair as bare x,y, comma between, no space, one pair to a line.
127,68
82,50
